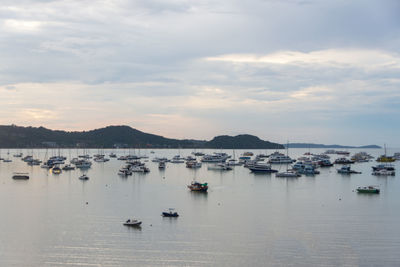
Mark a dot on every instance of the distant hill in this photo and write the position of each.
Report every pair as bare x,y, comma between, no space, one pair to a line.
243,141
306,145
117,136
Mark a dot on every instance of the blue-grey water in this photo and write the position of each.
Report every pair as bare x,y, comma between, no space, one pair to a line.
244,220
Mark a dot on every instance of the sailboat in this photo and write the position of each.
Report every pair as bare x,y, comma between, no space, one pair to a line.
384,158
8,158
288,173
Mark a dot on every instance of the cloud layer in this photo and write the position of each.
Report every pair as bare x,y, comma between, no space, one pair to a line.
306,71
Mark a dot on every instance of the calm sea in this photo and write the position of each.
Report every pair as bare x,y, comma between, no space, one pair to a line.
244,220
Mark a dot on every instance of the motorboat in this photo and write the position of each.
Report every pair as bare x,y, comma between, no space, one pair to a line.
84,177
346,169
112,155
132,222
198,187
20,176
371,189
170,213
248,153
262,168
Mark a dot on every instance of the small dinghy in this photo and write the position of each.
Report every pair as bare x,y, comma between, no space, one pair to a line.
84,177
132,222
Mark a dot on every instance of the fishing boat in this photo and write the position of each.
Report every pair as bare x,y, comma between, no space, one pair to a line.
20,176
170,213
198,187
132,222
368,189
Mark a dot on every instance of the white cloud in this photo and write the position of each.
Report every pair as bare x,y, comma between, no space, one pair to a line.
338,58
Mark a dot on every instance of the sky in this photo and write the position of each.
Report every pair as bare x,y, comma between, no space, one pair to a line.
284,70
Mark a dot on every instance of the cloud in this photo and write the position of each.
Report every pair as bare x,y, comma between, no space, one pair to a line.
185,68
335,58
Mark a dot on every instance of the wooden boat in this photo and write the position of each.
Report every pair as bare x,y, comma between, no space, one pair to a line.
368,189
20,176
198,187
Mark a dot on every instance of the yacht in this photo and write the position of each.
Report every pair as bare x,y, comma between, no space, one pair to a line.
262,168
279,158
216,157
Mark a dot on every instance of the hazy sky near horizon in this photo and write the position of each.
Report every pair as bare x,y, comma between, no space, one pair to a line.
297,70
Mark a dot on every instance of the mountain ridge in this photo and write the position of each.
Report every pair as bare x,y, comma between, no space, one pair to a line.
118,136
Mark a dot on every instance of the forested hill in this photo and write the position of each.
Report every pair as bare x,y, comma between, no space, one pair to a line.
117,136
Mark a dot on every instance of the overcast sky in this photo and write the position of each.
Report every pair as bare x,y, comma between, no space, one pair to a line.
304,71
